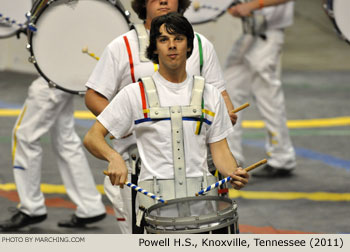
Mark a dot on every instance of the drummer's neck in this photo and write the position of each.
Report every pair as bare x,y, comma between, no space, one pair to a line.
147,24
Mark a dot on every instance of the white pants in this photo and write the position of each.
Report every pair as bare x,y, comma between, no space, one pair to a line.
45,110
122,206
252,68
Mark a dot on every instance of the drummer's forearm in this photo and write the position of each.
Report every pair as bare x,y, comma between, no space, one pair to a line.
258,4
95,102
95,142
223,158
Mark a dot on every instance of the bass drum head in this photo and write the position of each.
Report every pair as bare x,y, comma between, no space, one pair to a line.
203,11
64,29
13,16
341,10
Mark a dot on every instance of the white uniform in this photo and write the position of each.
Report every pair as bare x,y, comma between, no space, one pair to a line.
154,138
51,110
253,68
114,71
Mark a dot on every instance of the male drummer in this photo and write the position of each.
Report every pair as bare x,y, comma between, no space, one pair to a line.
162,110
124,62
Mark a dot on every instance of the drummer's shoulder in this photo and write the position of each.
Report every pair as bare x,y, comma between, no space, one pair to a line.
204,41
130,36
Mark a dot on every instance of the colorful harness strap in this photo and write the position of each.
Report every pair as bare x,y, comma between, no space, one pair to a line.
200,48
143,98
132,70
200,122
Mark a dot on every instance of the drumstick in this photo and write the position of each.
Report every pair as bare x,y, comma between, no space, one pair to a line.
219,183
139,189
196,5
240,107
86,50
9,21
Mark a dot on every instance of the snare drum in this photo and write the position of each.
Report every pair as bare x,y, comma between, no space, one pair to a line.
58,32
193,215
338,12
13,16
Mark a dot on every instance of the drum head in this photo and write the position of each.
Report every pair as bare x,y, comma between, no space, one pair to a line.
64,29
191,215
341,10
202,11
13,16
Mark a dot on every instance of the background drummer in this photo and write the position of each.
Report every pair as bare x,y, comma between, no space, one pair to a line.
122,63
253,69
171,43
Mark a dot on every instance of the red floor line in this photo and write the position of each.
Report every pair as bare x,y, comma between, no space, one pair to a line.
49,202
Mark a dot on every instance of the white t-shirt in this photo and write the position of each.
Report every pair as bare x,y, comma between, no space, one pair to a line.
279,16
154,139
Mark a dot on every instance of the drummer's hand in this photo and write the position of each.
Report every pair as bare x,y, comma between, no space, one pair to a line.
117,171
233,117
239,178
241,10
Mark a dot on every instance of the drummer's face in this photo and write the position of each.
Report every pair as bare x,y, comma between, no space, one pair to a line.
155,8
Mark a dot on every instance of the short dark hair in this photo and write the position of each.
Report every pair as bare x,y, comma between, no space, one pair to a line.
174,23
139,6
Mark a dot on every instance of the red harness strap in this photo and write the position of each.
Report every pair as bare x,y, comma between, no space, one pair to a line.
143,97
132,71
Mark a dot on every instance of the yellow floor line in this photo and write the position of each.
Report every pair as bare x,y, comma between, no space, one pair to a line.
255,124
46,188
315,196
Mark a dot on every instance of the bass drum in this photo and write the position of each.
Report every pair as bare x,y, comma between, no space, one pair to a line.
13,16
338,12
66,36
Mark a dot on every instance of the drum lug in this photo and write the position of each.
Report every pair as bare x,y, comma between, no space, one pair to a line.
127,13
52,85
28,15
28,47
81,93
32,59
32,27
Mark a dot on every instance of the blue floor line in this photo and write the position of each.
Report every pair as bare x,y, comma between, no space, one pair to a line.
309,154
7,105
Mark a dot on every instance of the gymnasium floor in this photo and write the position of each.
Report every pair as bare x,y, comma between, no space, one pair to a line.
316,76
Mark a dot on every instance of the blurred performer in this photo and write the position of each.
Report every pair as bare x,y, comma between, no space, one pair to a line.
253,68
124,62
50,110
172,135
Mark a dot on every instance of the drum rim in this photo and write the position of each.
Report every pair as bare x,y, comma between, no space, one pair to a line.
191,220
329,9
194,230
33,20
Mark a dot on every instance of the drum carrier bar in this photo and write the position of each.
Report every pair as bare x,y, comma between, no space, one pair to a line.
175,113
